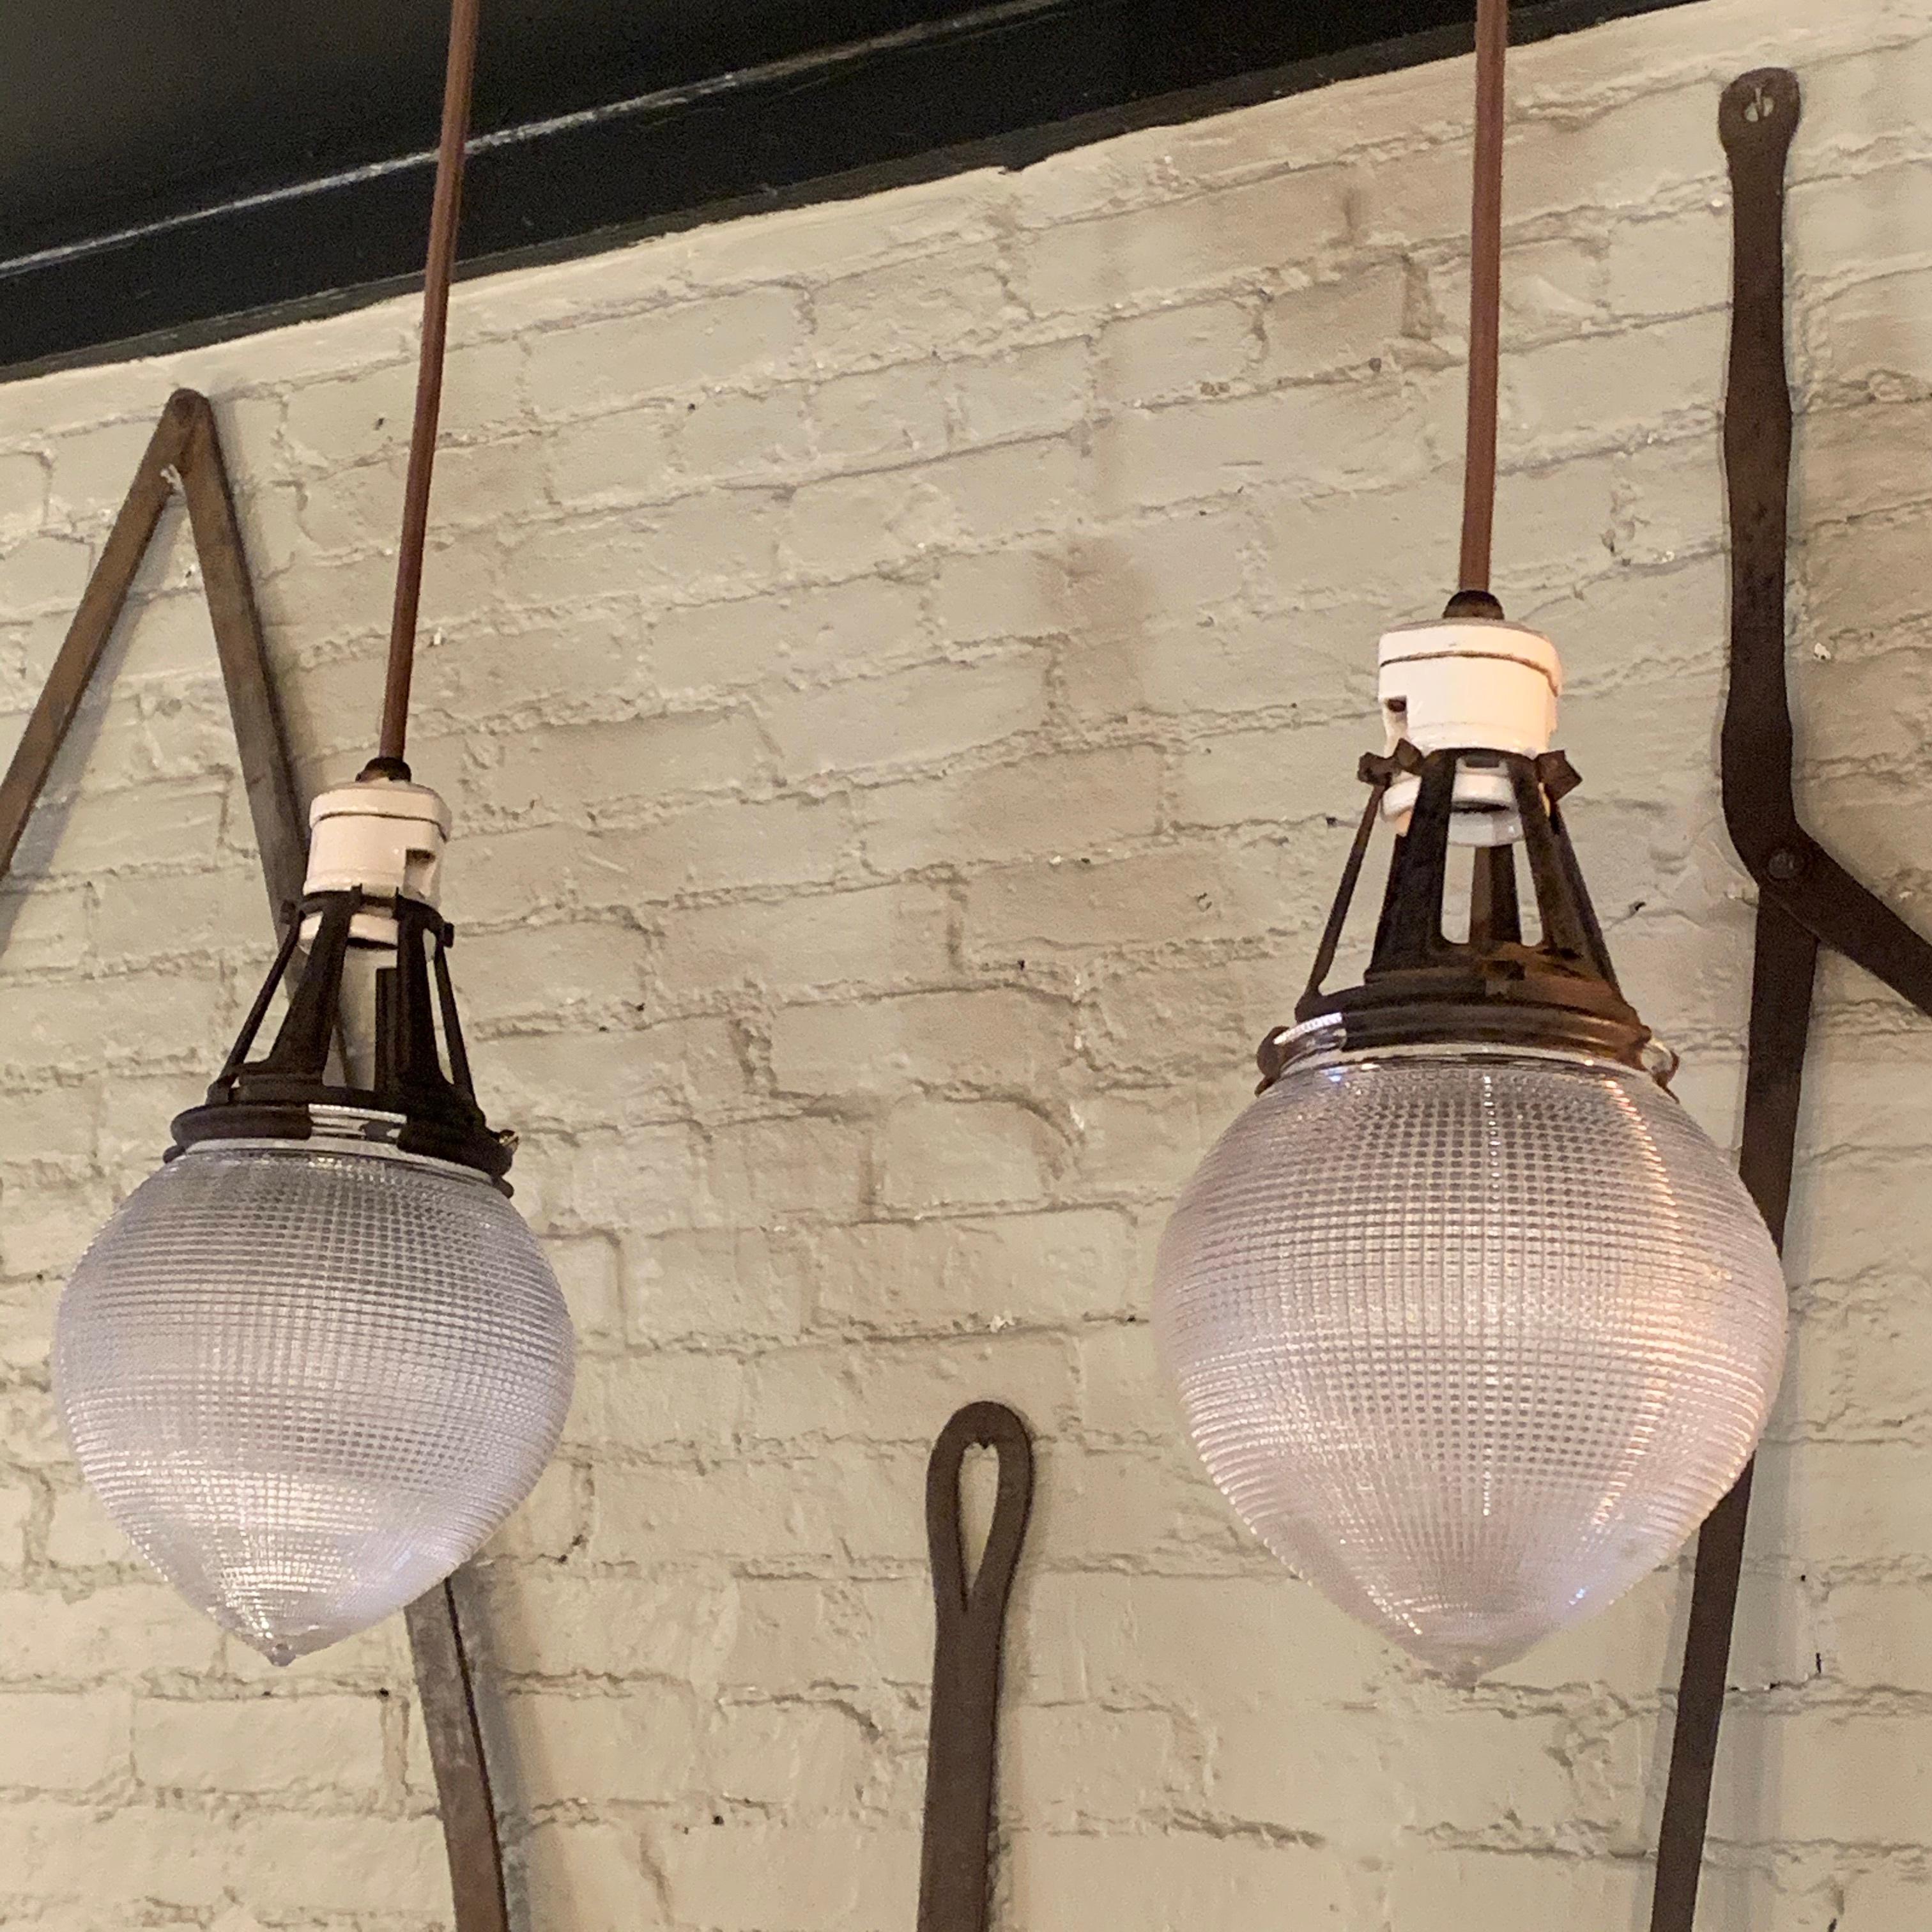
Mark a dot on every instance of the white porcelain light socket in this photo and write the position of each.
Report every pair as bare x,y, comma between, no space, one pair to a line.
386,837
1469,683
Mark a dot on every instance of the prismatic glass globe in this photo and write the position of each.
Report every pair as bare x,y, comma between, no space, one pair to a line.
309,1378
1472,1338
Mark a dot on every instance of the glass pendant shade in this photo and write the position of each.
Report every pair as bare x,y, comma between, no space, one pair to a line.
309,1378
1471,1337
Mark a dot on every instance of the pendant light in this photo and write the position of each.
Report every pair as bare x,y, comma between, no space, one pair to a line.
1469,1320
313,1362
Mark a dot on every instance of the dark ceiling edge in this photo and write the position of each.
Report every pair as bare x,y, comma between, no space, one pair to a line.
1020,148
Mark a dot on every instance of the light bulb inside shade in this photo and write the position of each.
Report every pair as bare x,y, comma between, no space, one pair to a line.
309,1378
1472,1339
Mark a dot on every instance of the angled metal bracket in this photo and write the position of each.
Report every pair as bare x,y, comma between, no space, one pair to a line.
185,454
1806,899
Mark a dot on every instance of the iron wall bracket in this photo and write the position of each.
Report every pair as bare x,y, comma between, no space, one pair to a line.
955,1885
1806,899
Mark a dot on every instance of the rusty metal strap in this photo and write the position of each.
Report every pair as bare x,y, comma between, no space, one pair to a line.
1806,899
185,452
954,1867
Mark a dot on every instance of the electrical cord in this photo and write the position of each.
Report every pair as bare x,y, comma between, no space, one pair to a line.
445,217
1486,250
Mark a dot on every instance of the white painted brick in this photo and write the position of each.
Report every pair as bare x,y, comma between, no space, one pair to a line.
1021,391
1339,435
164,915
81,1535
855,1503
129,1854
904,1395
1071,803
153,1017
993,495
1002,593
796,632
803,1633
1233,232
1445,1891
620,458
1632,377
806,1166
1046,1270
1072,1766
43,572
937,1154
734,436
553,1520
809,1758
62,1742
745,1877
16,1507
116,1629
547,970
23,492
644,1179
1877,1900
44,927
1549,287
594,1875
607,1077
992,1038
1820,1775
259,1744
1669,266
641,1745
358,1864
552,1623
919,716
355,418
1148,1884
784,842
570,371
649,1402
91,472
933,301
1203,892
590,1272
850,526
723,541
587,665
1322,327
592,768
877,936
106,831
1274,777
714,1284
1194,350
885,414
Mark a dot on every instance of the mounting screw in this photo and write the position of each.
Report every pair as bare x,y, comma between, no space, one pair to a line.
1785,865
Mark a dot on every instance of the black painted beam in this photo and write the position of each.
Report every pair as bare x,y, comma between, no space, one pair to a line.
222,164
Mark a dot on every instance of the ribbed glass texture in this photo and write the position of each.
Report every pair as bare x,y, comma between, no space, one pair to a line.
308,1383
1472,1340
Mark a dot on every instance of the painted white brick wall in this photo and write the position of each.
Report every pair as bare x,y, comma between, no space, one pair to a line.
899,667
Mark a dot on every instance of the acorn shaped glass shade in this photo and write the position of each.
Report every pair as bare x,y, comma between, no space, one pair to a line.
309,1378
1472,1338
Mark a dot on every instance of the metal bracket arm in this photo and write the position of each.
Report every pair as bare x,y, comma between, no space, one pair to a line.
1806,898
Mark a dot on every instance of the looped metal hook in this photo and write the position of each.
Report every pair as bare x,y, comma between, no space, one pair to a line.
970,1620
